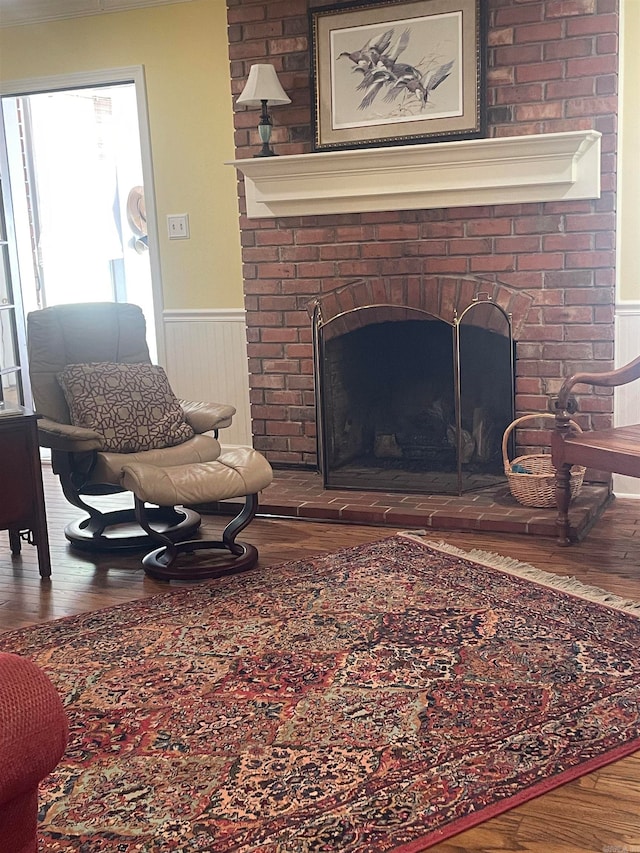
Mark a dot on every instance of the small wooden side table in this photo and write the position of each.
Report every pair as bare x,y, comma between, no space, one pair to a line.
22,506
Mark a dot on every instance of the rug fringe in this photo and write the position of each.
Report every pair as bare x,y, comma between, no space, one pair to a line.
565,583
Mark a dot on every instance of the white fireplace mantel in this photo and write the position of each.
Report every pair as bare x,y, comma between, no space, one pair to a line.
541,167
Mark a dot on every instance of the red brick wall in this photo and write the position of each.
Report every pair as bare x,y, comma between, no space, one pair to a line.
552,66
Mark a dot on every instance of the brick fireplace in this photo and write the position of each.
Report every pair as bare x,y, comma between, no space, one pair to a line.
552,66
414,389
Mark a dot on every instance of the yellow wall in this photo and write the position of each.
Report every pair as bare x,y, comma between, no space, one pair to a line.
183,48
629,221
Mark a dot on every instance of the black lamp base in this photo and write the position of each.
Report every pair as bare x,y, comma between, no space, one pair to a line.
264,132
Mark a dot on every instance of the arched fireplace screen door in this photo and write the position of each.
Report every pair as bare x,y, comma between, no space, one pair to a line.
413,403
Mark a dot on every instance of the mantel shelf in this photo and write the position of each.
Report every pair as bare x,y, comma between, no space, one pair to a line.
541,167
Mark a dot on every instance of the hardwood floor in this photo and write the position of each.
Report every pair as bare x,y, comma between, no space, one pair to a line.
599,812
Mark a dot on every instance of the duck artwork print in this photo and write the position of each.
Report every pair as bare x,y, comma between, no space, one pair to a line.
393,73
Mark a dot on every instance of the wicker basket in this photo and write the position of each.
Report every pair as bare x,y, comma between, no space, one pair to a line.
535,485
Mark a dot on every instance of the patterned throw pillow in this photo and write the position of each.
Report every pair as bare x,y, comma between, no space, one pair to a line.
131,405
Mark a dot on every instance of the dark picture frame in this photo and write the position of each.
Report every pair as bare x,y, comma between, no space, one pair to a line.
396,72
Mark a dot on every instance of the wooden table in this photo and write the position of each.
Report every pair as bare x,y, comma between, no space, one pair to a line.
22,509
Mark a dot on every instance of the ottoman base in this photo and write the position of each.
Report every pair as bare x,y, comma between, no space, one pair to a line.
162,562
158,565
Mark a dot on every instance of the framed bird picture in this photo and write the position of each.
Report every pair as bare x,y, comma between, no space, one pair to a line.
396,72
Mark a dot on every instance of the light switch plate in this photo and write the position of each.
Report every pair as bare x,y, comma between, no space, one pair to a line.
178,226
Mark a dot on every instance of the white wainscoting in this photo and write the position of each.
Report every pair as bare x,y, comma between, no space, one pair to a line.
206,359
627,397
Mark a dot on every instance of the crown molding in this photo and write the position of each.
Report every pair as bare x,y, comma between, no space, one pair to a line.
519,169
40,11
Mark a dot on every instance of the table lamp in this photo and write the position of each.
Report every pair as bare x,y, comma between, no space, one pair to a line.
263,87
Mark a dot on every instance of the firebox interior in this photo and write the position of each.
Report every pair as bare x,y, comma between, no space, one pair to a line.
417,405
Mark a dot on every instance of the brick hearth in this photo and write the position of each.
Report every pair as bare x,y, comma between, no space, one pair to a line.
300,494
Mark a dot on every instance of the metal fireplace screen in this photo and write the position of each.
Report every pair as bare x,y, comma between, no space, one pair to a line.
414,405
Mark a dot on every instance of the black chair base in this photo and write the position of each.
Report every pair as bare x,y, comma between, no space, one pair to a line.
162,565
119,530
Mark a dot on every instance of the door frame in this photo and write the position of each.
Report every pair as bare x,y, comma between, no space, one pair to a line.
104,77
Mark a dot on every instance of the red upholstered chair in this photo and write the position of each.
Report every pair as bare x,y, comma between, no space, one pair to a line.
33,737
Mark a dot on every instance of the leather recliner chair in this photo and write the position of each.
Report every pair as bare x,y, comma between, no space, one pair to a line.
90,333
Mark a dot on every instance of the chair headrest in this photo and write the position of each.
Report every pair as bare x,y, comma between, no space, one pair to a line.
79,333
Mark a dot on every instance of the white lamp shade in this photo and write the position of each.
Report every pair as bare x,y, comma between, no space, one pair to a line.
262,85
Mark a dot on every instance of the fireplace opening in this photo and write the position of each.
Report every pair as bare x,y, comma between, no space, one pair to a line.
417,404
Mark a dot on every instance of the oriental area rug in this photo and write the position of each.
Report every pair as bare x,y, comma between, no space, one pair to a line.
382,698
